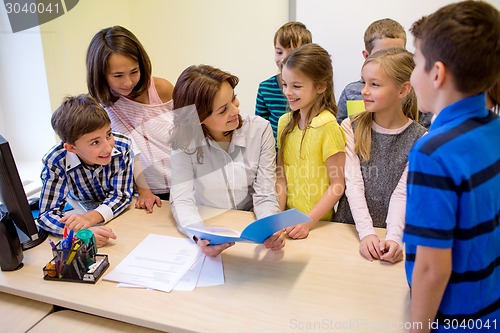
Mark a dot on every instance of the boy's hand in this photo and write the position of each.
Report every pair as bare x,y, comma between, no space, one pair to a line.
276,241
102,235
299,231
76,222
212,250
392,251
146,200
370,247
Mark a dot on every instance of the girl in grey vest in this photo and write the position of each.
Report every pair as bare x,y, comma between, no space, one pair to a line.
378,142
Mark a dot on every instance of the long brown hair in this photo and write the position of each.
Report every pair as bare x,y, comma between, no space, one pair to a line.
314,62
196,88
111,40
398,64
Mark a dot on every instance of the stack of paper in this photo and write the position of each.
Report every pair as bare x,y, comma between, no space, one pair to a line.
166,263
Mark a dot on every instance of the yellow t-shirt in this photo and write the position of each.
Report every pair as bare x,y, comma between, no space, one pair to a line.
305,170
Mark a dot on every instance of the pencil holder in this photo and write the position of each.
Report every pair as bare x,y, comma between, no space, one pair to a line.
76,262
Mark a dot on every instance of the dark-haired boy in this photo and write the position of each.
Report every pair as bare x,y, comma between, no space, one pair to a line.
452,231
91,163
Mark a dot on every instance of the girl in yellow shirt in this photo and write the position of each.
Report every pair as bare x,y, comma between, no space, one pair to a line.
311,144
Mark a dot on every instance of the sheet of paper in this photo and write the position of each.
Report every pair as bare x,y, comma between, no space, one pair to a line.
212,273
127,285
190,279
205,272
158,262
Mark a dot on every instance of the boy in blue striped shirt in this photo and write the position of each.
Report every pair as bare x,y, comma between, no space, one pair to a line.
91,163
452,231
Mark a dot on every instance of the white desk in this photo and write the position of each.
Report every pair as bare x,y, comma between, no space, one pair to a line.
20,314
318,283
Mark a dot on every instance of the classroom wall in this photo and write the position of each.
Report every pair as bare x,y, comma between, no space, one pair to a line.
40,66
339,27
24,100
235,35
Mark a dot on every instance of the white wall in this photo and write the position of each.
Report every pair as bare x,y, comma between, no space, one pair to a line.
24,101
235,35
39,68
339,27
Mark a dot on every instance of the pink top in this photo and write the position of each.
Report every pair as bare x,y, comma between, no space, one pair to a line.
355,190
148,125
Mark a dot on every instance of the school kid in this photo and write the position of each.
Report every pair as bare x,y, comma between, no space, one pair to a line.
219,158
119,77
381,34
91,163
378,142
311,144
452,233
271,104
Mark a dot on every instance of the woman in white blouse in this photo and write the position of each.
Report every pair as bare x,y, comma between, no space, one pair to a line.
219,158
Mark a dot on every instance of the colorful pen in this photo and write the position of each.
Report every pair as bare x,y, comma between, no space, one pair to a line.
69,261
54,247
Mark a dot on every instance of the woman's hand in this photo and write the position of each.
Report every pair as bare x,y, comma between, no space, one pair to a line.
212,250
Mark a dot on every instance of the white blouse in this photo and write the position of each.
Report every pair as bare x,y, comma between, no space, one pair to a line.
242,178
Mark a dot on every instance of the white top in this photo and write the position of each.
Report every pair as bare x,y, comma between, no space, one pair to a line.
355,190
242,178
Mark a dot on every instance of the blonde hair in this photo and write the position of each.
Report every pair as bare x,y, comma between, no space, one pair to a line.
398,64
384,28
314,62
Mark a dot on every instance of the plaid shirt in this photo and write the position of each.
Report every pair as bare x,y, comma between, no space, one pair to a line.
65,175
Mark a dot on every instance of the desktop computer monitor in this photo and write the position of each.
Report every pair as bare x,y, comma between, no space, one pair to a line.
12,195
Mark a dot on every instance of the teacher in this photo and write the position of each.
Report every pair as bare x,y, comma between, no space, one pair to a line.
219,158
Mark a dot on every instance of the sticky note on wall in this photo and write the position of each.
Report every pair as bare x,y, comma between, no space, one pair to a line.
354,107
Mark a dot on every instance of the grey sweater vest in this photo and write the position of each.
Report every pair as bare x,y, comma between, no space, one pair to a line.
381,174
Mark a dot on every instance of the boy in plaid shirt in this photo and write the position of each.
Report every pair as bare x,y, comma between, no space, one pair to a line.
91,163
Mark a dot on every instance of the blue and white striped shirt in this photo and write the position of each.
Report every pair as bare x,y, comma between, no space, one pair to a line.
453,202
65,175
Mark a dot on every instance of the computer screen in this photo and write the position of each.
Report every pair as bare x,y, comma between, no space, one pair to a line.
12,195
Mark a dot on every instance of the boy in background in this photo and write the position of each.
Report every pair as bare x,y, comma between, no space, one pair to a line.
271,104
91,163
452,232
381,34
